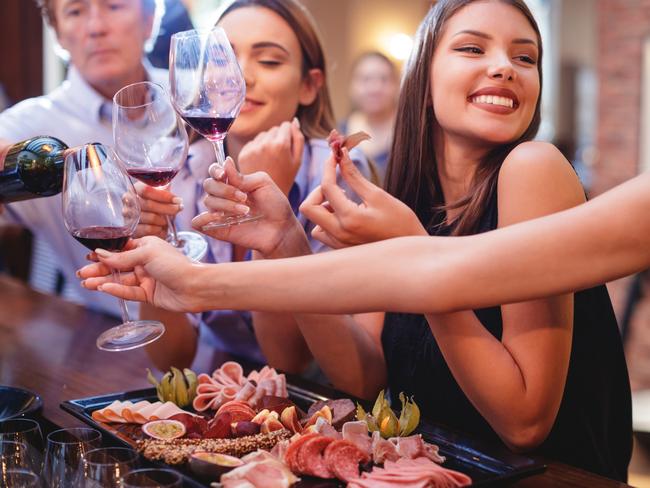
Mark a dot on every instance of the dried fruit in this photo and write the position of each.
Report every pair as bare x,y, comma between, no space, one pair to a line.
175,386
164,429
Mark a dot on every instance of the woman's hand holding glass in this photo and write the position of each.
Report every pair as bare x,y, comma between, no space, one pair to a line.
342,222
152,271
277,152
234,198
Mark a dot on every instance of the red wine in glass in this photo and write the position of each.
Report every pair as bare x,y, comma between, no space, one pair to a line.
153,176
210,127
110,238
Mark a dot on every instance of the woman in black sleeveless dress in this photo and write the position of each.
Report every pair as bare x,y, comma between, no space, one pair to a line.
545,376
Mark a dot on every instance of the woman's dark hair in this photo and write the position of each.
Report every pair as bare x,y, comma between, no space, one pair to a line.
317,118
412,169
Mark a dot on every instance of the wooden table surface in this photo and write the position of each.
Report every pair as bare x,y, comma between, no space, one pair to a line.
48,346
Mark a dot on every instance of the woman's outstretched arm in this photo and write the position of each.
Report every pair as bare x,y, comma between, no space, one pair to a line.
598,241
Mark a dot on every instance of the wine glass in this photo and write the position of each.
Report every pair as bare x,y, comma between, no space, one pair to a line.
65,448
100,209
15,456
151,142
25,432
19,478
105,467
152,478
207,90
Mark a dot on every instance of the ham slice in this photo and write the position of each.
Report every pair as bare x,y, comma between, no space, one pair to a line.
411,473
357,434
229,383
143,415
127,412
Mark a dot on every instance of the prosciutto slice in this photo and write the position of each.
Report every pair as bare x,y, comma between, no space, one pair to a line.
138,413
411,473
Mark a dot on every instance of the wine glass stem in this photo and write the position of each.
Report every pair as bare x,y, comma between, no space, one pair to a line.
123,309
173,236
221,154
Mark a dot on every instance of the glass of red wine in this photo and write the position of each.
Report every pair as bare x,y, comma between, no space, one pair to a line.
208,89
101,210
151,142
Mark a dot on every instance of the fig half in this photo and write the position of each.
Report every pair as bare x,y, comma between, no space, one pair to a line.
211,465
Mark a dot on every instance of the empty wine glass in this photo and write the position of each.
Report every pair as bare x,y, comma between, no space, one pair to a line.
152,478
15,456
65,448
208,89
19,478
151,142
105,467
101,210
25,432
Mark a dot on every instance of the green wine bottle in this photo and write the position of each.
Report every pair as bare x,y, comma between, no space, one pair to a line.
31,169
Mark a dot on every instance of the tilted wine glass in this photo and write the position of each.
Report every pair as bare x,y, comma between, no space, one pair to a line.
208,89
101,210
151,142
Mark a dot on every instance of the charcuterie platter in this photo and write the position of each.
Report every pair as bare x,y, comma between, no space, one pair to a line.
229,428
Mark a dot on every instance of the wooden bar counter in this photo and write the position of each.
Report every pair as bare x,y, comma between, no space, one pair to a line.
47,345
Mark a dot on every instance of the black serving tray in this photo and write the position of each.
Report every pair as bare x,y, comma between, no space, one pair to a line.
485,464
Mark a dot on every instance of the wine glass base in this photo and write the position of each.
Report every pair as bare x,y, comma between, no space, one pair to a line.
227,221
192,244
130,335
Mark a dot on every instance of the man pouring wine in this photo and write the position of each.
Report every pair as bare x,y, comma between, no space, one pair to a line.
105,42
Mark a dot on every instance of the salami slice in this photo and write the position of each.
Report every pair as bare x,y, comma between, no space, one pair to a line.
310,457
343,459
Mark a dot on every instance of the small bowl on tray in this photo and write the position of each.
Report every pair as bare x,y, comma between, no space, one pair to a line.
17,402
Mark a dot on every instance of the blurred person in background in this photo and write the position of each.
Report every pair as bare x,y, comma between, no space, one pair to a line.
105,42
175,19
280,130
374,90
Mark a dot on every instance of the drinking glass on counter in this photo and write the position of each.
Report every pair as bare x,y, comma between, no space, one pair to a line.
27,433
105,467
15,457
152,478
208,89
100,209
65,449
151,142
19,478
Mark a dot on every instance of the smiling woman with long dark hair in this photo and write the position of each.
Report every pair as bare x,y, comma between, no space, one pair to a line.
546,376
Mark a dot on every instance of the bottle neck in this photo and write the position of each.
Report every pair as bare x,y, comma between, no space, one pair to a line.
5,146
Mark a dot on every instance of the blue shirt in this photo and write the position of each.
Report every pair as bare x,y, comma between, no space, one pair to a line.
75,113
232,330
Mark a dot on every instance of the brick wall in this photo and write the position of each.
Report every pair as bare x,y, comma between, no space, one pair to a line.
623,26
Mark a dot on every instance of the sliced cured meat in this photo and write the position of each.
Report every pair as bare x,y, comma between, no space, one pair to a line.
165,411
143,415
113,413
323,427
193,423
127,412
343,459
310,457
247,391
267,473
383,449
230,372
343,410
240,411
357,434
411,473
291,454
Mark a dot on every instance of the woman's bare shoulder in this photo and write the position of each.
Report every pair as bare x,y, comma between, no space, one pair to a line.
536,179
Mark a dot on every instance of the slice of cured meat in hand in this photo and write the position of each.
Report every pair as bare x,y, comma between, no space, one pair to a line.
338,141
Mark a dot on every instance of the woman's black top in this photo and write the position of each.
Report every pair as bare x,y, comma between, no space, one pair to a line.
593,428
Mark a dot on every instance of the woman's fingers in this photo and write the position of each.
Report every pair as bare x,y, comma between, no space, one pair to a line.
355,179
329,240
132,293
158,200
333,193
220,205
153,219
297,141
312,208
220,190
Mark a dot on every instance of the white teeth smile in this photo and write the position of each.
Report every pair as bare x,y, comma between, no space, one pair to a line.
492,100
